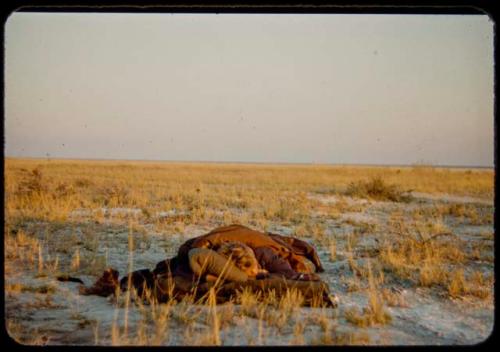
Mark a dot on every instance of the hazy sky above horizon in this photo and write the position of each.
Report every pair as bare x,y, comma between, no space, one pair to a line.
377,89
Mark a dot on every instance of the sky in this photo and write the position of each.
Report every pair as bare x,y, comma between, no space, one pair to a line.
295,88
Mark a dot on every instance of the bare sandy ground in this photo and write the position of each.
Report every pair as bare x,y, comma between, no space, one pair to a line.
64,317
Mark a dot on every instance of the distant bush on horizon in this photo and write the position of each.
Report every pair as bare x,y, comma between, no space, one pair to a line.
376,188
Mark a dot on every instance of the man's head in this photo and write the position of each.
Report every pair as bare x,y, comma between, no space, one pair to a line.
241,255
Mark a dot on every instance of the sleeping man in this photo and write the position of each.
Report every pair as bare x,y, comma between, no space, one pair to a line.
233,257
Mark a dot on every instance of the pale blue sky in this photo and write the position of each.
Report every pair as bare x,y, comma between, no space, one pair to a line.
377,89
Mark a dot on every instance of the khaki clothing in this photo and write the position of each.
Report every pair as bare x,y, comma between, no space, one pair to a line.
205,261
289,248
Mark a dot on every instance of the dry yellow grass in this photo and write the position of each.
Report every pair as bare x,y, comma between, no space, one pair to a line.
374,313
394,299
420,260
430,255
471,214
332,248
61,194
475,285
51,189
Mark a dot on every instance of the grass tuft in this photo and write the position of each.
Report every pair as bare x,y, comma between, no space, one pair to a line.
376,188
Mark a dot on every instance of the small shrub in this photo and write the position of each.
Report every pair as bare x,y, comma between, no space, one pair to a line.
114,195
430,275
63,190
377,189
32,183
83,182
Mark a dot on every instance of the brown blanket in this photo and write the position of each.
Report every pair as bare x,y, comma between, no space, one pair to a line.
173,278
315,293
289,248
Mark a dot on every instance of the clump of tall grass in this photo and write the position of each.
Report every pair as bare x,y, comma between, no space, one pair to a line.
394,298
113,195
374,313
421,260
64,190
424,255
476,285
376,188
31,182
21,249
18,287
332,248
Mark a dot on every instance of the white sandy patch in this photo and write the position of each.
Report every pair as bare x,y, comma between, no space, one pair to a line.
125,211
451,198
106,211
171,213
359,217
332,199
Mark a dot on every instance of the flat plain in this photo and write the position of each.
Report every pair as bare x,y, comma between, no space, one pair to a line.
409,251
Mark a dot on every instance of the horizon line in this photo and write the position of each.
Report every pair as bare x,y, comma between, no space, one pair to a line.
415,164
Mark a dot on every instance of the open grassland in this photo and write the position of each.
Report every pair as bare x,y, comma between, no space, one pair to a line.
409,250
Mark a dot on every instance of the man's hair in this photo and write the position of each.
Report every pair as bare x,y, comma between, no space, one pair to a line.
241,255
